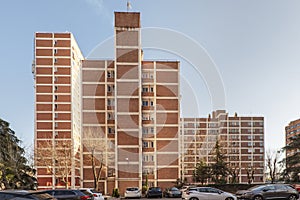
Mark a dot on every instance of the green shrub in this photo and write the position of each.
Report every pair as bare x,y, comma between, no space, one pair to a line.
116,193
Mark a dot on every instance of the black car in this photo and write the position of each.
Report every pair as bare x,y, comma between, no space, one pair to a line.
172,192
70,194
154,192
270,191
20,195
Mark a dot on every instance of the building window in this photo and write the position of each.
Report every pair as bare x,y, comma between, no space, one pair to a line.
148,158
145,103
111,130
151,103
110,102
55,106
152,129
261,150
145,89
147,75
55,97
148,144
145,130
110,88
54,42
55,88
55,51
56,124
110,74
55,60
56,115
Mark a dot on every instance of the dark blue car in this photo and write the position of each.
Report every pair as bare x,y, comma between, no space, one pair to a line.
154,192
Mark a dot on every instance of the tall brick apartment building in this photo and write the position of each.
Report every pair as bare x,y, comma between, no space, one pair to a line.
241,139
123,112
291,130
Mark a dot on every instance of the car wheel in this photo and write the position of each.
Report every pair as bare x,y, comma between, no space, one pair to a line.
193,198
292,197
258,198
229,198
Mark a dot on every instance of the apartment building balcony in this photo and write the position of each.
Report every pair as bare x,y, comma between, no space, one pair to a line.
148,149
111,121
148,94
111,80
149,176
111,135
110,107
147,107
149,163
147,121
110,93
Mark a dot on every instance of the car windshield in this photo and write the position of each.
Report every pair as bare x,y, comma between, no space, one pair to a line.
155,189
174,189
132,189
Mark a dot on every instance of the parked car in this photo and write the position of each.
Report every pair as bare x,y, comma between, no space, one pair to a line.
97,195
172,192
207,193
154,192
132,192
70,194
297,187
24,195
269,191
185,188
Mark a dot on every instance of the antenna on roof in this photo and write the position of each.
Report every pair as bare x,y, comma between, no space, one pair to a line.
128,6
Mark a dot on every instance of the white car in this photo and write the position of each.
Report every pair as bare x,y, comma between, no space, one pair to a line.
132,192
97,195
207,193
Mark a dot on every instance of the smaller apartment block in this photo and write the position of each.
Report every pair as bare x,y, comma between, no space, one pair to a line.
241,138
291,130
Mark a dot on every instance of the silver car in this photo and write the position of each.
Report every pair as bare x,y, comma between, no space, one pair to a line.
207,193
133,192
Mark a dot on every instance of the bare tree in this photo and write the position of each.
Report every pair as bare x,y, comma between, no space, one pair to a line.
272,164
98,150
56,156
250,174
233,174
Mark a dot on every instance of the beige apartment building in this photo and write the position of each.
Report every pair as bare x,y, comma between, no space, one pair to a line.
57,69
241,139
123,113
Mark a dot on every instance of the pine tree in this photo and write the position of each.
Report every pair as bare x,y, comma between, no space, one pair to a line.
202,172
219,169
14,171
292,161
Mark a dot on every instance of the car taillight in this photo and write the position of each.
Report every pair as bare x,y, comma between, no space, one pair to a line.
85,197
95,195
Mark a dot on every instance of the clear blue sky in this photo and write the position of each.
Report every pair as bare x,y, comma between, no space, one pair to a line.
254,43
